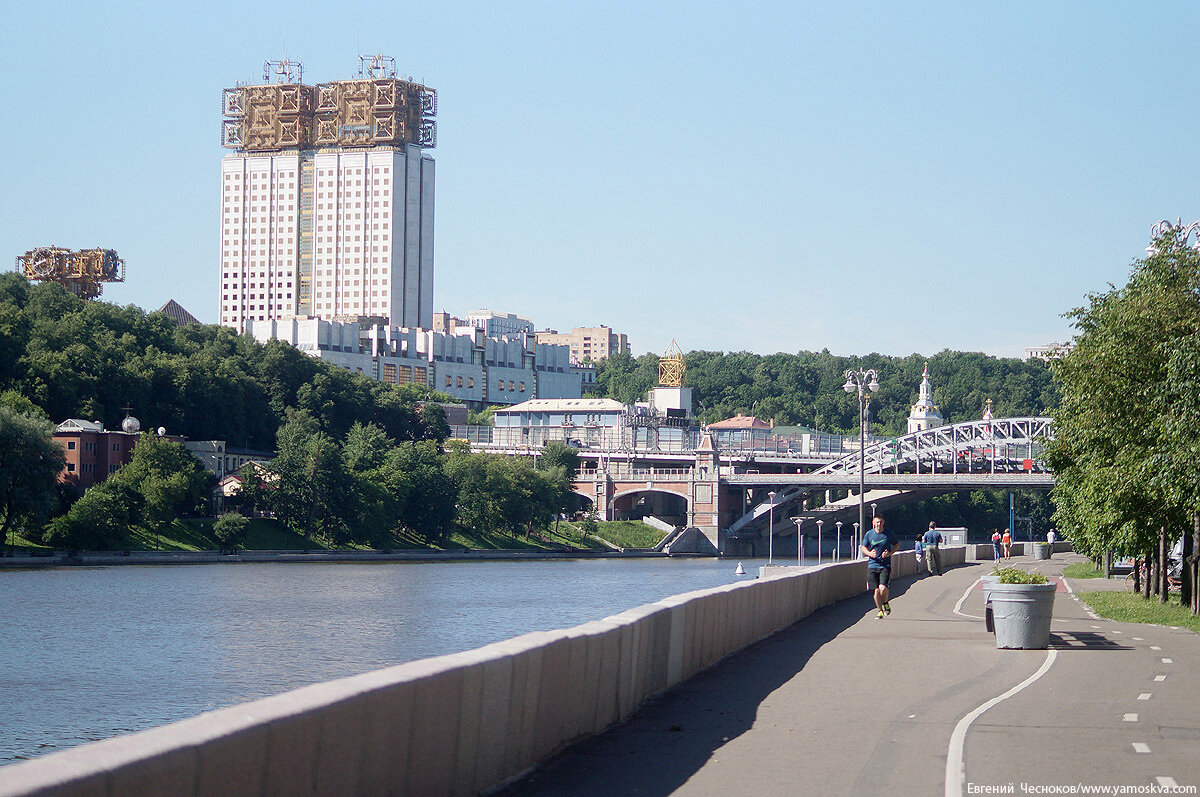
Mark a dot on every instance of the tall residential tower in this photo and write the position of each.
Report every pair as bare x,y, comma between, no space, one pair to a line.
327,198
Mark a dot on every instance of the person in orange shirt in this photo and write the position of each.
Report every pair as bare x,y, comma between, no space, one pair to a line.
1006,540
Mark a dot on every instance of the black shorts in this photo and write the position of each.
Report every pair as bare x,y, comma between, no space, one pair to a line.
878,578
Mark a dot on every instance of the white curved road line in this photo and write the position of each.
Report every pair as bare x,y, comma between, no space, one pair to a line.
955,774
958,605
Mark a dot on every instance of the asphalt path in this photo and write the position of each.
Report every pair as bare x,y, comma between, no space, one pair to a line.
921,702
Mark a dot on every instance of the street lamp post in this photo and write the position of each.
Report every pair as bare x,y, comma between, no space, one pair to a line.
839,533
862,381
799,521
820,528
771,529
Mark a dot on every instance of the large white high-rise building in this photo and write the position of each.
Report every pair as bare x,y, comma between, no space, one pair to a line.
327,199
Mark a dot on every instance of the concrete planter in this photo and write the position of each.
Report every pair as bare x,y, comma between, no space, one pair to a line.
1022,613
1041,550
988,583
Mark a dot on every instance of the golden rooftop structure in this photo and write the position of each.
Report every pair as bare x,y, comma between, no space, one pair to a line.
670,367
376,109
81,272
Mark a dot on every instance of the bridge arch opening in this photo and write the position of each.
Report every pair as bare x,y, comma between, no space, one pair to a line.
579,503
635,505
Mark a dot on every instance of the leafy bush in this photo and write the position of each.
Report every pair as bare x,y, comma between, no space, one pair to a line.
1011,575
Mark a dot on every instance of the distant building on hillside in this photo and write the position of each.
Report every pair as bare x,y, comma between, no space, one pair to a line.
1051,352
495,325
471,368
176,313
93,453
924,414
588,344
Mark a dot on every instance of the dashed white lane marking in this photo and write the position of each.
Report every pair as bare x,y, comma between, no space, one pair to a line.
1141,747
1166,783
1095,626
1130,718
1136,639
1115,631
955,771
1167,661
1144,696
1160,677
1155,647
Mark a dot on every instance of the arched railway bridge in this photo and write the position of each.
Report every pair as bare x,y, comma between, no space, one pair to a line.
733,505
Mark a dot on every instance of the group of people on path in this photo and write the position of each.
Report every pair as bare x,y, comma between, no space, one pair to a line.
878,546
999,540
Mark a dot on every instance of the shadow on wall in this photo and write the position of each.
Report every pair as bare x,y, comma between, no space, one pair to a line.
671,738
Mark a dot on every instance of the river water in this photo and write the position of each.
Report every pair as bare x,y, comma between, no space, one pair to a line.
89,653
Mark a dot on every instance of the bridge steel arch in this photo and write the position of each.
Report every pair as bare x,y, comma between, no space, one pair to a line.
932,445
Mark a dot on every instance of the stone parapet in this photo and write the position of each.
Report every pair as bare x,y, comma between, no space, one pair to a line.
457,724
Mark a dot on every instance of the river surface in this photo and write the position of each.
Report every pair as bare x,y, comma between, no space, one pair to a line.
89,653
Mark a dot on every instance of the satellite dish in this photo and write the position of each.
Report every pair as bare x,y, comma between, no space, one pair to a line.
162,431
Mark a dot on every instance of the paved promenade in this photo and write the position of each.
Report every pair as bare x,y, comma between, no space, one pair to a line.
843,703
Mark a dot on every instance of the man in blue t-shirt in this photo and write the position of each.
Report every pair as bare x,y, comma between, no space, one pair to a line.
933,541
878,546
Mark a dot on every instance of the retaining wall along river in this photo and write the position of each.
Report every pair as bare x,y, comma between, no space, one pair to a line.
457,724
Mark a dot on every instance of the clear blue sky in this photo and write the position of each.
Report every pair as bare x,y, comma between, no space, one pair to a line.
772,177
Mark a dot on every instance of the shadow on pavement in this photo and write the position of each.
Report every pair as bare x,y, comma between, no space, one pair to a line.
671,737
1084,640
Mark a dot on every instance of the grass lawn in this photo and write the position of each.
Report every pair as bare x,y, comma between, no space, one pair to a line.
1082,570
1126,607
268,534
629,533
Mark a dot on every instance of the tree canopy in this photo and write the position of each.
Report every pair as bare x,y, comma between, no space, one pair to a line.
1126,448
72,358
806,388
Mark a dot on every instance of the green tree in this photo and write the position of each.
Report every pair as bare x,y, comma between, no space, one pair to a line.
30,462
429,492
556,454
170,480
1125,468
98,520
312,490
230,531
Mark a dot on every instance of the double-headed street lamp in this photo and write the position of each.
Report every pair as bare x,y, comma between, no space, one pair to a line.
862,381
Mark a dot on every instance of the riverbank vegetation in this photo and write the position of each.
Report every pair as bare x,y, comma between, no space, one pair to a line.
806,388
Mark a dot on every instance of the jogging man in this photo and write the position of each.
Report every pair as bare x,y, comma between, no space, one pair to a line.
933,558
878,546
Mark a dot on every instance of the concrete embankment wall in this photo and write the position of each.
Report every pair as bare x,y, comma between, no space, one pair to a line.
457,724
985,552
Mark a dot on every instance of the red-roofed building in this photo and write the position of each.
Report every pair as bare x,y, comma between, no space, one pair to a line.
741,431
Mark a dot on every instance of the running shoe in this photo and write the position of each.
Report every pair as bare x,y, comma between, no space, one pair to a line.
887,608
879,616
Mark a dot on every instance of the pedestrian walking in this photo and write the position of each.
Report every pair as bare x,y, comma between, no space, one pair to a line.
1051,536
1006,540
878,547
933,555
918,549
997,552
